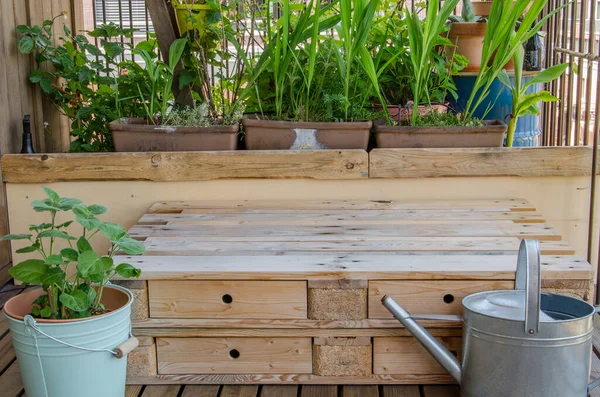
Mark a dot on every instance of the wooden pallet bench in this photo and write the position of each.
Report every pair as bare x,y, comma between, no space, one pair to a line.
289,291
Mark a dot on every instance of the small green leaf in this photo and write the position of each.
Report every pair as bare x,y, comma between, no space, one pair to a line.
54,275
76,301
42,206
26,44
52,195
547,75
96,209
87,259
46,312
131,246
67,203
15,237
30,271
113,49
125,270
112,231
67,30
90,292
70,254
26,250
56,234
54,260
83,245
35,310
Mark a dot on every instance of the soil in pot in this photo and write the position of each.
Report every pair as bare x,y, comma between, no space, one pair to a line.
491,134
136,135
284,135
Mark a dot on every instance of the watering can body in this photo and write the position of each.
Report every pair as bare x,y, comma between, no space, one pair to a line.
539,348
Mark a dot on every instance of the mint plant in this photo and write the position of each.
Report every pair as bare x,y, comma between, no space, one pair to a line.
71,293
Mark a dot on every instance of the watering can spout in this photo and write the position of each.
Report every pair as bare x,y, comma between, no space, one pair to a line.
435,348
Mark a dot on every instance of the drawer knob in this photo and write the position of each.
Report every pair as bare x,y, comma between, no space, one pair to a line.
234,353
227,299
448,298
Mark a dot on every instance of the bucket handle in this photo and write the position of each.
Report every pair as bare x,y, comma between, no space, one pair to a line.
120,351
528,279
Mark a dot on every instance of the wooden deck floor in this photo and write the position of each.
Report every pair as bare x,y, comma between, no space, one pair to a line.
10,379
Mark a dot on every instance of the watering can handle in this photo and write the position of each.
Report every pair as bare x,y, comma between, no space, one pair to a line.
528,279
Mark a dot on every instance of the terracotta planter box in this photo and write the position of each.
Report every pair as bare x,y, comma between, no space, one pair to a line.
491,134
135,135
282,135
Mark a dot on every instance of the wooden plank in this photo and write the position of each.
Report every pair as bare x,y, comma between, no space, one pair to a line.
239,391
234,355
201,391
279,391
538,231
10,381
407,356
360,391
200,246
161,391
441,391
400,391
473,162
7,354
345,217
185,166
351,266
319,391
427,297
228,299
133,391
237,206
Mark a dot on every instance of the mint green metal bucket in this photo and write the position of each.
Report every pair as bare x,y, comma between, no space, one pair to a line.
50,368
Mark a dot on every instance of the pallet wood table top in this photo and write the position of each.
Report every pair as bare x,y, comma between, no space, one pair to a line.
366,240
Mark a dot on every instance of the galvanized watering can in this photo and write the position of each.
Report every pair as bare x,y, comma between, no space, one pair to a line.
517,343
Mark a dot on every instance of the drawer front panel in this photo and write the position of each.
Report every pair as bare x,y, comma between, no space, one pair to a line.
406,356
234,356
228,299
427,297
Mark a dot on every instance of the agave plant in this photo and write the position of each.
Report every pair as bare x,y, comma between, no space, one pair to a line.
467,14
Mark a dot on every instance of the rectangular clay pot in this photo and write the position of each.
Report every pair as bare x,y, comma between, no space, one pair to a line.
135,135
491,134
283,135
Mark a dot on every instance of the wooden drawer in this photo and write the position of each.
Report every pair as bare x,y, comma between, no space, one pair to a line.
234,355
428,297
406,356
228,299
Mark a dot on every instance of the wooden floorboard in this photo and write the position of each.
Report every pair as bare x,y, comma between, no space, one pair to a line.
161,391
133,391
279,391
201,391
319,391
239,391
441,391
400,391
10,381
360,391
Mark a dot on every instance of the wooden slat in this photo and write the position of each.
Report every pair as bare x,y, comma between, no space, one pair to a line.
345,217
360,391
237,206
441,391
319,391
185,166
351,266
253,355
7,354
161,391
201,391
248,299
239,391
427,297
133,391
199,246
10,381
400,391
432,163
279,391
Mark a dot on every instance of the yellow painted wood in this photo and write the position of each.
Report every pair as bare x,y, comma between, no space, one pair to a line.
218,355
228,299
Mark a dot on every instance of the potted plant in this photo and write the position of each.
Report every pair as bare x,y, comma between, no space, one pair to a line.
167,126
72,335
191,15
466,34
311,90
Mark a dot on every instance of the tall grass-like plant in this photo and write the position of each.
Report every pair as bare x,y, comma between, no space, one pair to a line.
502,39
422,39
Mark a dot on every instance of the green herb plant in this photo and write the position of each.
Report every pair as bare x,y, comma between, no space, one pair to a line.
523,102
82,79
75,294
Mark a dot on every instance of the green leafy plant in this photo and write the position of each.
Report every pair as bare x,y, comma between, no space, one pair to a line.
82,79
467,14
423,39
523,102
73,277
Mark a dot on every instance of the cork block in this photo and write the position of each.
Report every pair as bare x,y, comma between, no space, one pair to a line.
141,362
337,299
139,289
342,356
